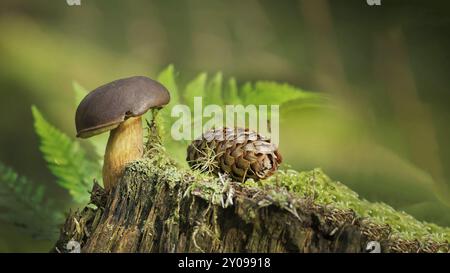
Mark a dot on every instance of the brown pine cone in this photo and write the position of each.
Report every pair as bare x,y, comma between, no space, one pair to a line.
239,153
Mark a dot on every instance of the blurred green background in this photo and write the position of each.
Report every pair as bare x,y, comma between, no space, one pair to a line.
387,67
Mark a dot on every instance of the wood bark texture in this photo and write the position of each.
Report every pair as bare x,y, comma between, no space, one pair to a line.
147,212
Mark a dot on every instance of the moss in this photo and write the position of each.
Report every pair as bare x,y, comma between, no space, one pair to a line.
183,210
315,185
208,187
157,161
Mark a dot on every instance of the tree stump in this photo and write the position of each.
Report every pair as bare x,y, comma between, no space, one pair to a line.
156,207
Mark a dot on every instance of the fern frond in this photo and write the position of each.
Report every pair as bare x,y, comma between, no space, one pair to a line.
24,206
266,92
164,119
231,95
221,91
65,159
213,90
195,88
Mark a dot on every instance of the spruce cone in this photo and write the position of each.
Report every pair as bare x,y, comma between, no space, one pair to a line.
240,153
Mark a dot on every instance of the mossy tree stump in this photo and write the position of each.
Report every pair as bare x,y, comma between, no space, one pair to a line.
157,207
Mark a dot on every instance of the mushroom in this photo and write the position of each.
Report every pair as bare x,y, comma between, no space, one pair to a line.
117,107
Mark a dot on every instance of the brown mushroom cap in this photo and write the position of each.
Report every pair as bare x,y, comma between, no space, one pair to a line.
109,105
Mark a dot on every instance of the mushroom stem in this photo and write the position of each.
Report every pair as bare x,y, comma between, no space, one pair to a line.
125,144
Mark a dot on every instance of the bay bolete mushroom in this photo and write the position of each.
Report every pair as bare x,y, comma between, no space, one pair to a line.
117,107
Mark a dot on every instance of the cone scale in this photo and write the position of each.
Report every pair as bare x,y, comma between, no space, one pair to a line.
240,153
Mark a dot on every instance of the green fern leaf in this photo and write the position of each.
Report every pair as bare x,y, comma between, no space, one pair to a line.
220,91
231,95
65,159
213,91
196,88
265,92
167,78
247,91
24,206
164,119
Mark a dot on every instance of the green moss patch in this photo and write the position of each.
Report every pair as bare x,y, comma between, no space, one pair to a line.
310,190
318,187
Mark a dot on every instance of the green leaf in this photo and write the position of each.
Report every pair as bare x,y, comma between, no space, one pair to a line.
164,119
66,159
213,91
230,94
308,102
23,205
247,91
265,92
220,91
196,88
167,78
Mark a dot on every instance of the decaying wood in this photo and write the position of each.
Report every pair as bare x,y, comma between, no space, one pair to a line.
148,212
